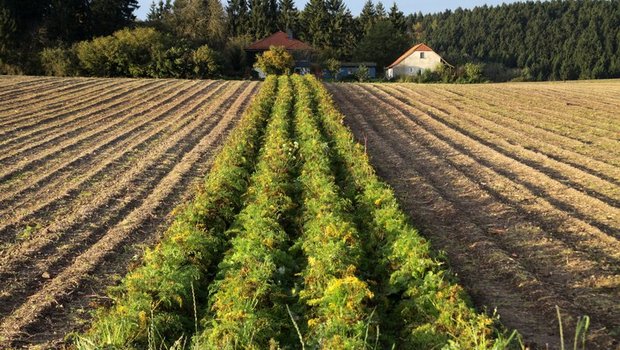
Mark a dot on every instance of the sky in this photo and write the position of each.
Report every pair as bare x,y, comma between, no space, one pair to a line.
407,6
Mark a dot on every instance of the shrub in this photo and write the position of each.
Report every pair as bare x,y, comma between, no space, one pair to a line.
275,61
362,74
333,66
205,62
128,53
59,62
175,62
473,72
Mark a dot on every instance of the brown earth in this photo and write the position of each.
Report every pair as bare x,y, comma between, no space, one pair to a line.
518,183
91,171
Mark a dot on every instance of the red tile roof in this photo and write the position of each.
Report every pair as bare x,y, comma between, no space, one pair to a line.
279,39
418,47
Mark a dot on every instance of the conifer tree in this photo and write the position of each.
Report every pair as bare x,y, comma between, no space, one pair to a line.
238,17
288,16
397,18
315,19
367,18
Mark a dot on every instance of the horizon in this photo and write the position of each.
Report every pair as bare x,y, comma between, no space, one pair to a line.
424,6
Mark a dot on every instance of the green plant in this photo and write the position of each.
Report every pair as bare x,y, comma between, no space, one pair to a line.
59,62
362,74
333,66
205,62
275,61
248,297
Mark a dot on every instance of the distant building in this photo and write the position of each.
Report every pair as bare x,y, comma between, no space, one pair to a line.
349,69
302,52
414,61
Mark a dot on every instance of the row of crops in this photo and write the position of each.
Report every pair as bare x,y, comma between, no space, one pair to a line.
292,242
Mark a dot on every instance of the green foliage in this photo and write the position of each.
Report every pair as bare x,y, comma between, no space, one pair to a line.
155,303
362,74
59,62
432,310
275,61
235,57
333,66
337,298
473,72
205,62
248,297
381,44
551,39
128,53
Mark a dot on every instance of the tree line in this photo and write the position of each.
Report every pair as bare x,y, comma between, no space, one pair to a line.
576,39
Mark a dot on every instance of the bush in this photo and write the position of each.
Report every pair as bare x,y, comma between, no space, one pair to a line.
234,55
473,72
175,62
275,61
333,66
362,74
126,53
205,62
59,62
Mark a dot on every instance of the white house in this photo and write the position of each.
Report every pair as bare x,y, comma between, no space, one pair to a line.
414,61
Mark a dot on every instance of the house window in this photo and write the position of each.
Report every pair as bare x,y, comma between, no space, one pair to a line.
411,70
422,55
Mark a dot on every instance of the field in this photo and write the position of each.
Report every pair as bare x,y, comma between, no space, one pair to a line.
518,183
90,169
245,215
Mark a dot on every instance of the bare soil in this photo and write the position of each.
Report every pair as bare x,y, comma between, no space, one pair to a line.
95,181
518,183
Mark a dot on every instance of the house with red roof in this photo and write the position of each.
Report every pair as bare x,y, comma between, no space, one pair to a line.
414,61
302,52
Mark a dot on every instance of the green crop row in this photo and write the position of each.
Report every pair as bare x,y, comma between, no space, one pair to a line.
292,242
155,303
249,296
433,311
338,314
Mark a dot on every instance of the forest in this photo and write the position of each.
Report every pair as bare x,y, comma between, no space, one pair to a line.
550,40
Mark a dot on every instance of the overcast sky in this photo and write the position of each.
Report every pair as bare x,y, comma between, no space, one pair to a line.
407,6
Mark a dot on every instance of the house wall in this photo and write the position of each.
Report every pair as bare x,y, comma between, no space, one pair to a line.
413,64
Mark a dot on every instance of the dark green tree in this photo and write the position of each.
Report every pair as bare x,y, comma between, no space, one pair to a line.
109,16
238,17
397,17
263,18
288,16
382,44
367,18
315,20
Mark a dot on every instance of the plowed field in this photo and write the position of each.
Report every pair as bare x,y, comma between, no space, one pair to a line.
90,170
518,183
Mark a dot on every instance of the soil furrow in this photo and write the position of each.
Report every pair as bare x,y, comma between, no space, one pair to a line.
60,175
542,107
110,100
505,141
440,198
560,127
110,141
49,99
127,195
28,87
558,198
52,135
94,135
545,144
69,279
81,97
